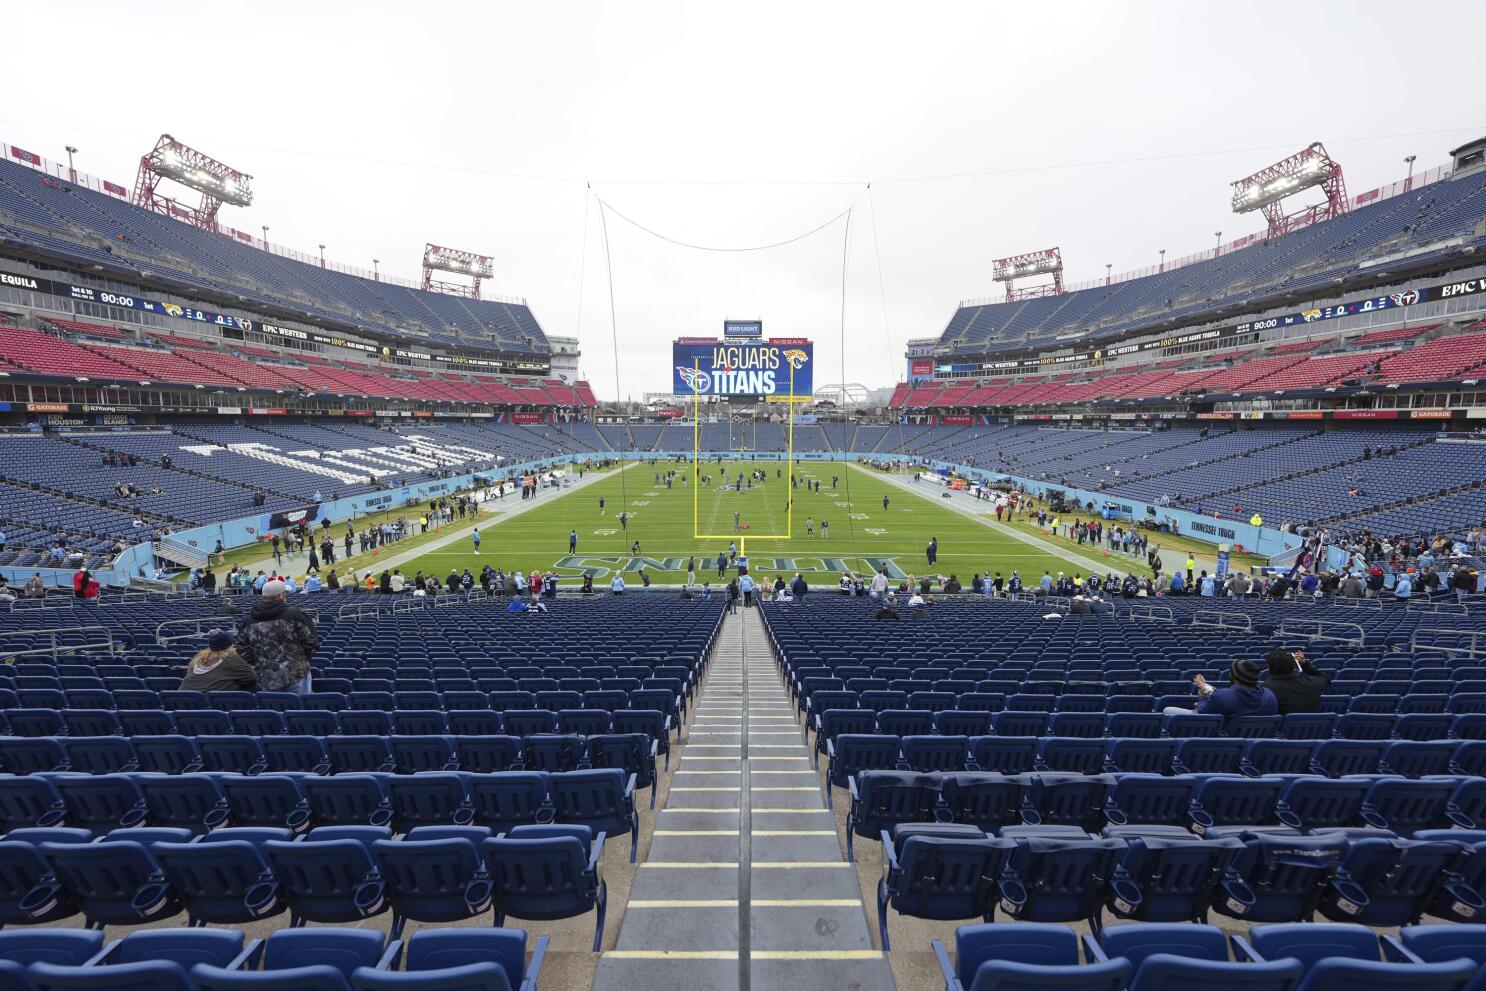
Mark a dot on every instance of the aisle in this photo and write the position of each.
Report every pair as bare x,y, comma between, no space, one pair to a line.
745,884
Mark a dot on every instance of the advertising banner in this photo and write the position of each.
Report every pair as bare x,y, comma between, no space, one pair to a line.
742,328
759,369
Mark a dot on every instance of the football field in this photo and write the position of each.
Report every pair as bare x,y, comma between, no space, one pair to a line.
845,527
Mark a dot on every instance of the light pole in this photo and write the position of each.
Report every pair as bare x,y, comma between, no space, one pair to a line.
1408,183
71,172
322,256
1163,261
376,273
1107,267
265,236
1219,246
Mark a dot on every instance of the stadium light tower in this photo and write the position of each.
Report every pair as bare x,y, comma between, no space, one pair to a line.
1266,190
1048,261
456,262
217,183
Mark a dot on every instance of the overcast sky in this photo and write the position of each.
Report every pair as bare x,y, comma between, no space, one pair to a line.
1110,130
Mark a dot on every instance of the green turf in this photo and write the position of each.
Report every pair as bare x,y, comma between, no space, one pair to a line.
861,533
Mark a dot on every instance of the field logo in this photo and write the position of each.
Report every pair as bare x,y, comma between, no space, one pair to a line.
696,380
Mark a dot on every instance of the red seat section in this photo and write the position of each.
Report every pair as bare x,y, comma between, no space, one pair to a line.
1437,360
46,355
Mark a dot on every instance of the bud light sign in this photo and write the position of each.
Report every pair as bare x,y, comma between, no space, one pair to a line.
776,370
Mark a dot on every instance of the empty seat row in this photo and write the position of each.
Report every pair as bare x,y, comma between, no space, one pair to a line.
1211,805
850,754
202,803
1156,956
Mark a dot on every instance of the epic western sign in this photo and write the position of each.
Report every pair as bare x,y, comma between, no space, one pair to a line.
779,369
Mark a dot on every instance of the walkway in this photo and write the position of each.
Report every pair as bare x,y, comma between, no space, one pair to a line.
745,885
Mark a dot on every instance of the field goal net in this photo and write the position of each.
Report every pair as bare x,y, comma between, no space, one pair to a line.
743,470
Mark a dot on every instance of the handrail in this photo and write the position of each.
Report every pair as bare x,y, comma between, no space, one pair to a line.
1150,611
1475,641
1322,629
1349,603
1219,619
412,603
57,647
1437,606
198,626
357,610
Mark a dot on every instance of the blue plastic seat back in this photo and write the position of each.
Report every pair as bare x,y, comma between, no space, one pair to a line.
115,882
594,798
1140,756
102,802
940,877
1169,972
1338,974
366,722
232,754
905,722
1136,943
1308,726
1209,756
1066,799
447,948
886,798
100,755
510,799
1048,880
430,798
1415,759
542,876
433,880
359,754
1406,806
935,753
153,975
985,800
344,949
553,752
1436,943
327,880
856,752
485,754
628,752
1278,757
1231,800
1034,944
1280,878
222,882
1071,754
33,755
67,947
1389,882
267,800
298,754
423,754
187,801
1310,942
1336,758
1016,723
1326,803
1168,879
834,722
347,799
30,801
1004,755
186,947
166,754
1152,799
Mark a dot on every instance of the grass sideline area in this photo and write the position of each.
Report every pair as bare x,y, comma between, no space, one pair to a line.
861,534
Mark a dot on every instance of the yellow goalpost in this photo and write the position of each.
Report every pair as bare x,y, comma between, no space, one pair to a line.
696,470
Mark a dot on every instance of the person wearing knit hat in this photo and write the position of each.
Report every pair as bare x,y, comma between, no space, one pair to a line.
219,668
1243,696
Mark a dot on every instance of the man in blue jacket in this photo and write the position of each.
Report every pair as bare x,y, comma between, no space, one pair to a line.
1244,696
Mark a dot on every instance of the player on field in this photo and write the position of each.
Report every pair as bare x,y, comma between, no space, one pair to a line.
572,541
475,536
809,527
737,522
601,505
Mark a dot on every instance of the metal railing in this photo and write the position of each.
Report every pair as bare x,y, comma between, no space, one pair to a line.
1218,619
1472,642
1150,611
193,628
105,641
1437,606
357,610
1323,629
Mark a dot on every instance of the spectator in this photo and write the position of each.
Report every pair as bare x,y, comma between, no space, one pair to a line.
1242,697
80,583
1297,684
278,639
733,595
34,588
397,582
1403,588
616,584
745,583
798,587
219,668
886,611
1351,587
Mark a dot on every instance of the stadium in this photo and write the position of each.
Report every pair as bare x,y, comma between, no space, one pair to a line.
363,631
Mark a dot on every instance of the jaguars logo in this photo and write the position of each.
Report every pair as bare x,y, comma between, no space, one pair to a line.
796,358
1310,315
174,310
696,380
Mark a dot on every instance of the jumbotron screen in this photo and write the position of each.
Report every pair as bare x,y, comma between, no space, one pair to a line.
761,369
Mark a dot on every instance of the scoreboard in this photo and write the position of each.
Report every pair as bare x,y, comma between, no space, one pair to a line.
774,370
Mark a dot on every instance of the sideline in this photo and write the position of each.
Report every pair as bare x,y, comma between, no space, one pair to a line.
451,532
961,502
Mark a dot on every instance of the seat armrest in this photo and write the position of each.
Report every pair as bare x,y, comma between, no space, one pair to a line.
951,981
534,969
1243,950
597,852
